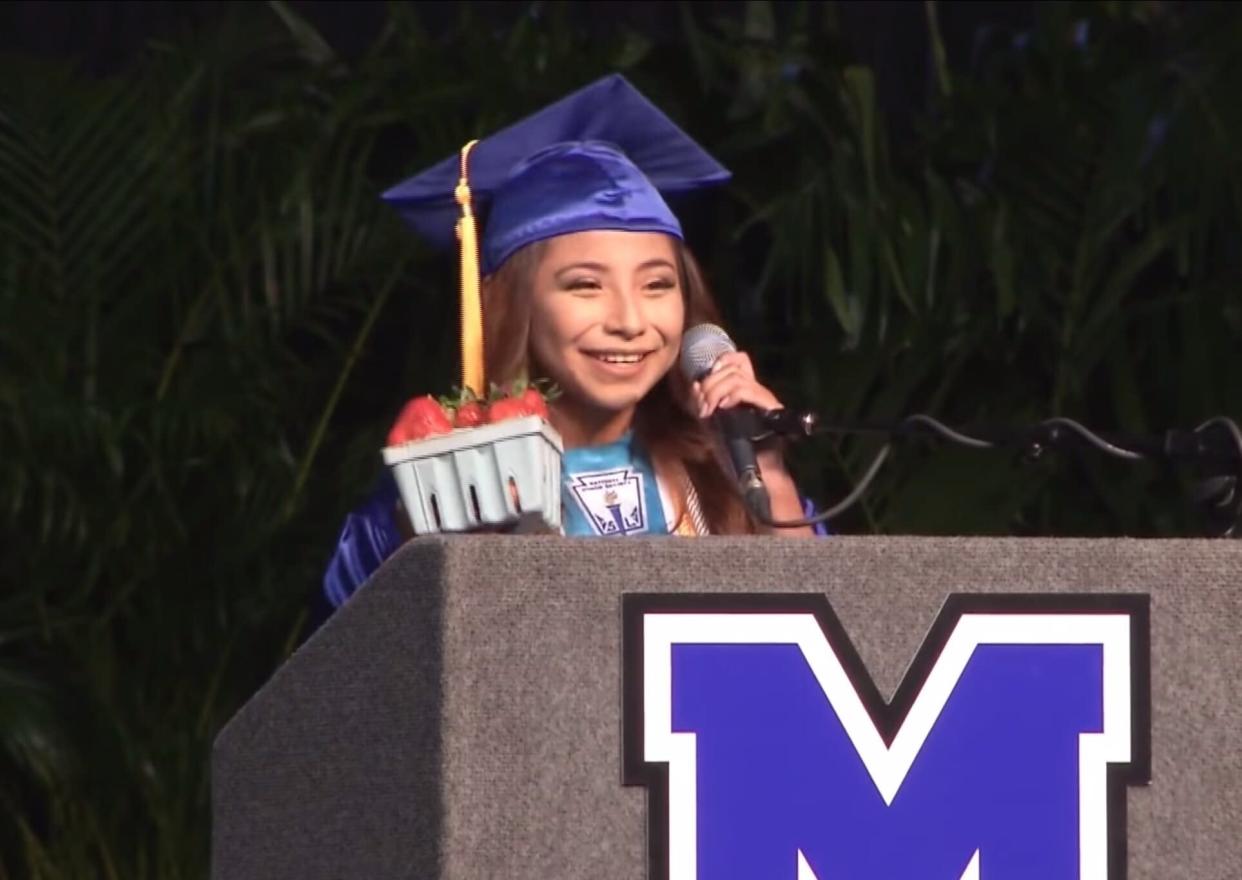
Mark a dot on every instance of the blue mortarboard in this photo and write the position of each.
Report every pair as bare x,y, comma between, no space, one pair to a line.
597,159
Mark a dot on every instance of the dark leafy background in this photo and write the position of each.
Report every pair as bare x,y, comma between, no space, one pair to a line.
207,322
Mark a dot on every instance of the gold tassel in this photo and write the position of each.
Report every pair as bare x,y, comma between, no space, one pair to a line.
472,376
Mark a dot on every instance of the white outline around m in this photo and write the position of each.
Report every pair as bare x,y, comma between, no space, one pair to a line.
887,765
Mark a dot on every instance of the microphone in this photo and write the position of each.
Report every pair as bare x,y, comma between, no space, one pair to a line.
701,346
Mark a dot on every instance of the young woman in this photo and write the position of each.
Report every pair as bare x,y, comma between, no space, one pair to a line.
587,282
601,313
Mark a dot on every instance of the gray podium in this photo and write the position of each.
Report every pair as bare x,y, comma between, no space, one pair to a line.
460,717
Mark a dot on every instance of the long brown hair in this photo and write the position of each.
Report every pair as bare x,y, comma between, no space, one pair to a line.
664,423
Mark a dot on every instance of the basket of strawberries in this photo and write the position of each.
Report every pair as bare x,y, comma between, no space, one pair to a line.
463,463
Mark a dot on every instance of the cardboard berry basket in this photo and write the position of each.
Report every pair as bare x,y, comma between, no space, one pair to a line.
504,475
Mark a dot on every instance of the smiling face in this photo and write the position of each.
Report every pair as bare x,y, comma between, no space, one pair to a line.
607,314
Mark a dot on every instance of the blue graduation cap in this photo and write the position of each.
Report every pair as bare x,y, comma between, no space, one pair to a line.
600,158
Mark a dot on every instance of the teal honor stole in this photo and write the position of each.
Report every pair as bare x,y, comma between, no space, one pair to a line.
610,490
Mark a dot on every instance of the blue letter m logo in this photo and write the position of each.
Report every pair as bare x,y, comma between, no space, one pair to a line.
770,754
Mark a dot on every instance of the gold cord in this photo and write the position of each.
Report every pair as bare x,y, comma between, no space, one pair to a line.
472,376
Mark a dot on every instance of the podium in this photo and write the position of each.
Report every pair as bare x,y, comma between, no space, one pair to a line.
462,715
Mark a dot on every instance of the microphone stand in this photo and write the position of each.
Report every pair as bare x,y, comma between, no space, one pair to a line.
1214,446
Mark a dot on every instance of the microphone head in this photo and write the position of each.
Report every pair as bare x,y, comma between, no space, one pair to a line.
701,345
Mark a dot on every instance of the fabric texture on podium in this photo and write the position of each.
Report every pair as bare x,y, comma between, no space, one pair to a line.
460,718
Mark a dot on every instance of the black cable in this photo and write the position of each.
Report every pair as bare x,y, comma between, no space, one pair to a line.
1044,432
1096,441
1174,444
833,512
1229,425
1217,494
946,432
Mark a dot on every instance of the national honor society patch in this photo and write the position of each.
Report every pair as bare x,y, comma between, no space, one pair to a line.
613,501
610,490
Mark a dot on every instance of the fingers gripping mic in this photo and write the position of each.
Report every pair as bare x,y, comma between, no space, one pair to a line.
701,347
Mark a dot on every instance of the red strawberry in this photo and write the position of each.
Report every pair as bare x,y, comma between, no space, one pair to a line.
470,414
421,417
527,403
465,408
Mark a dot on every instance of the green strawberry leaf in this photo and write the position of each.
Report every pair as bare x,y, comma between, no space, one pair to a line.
547,388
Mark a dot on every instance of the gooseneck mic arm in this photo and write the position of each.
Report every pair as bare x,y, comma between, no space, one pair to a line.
1215,446
1217,441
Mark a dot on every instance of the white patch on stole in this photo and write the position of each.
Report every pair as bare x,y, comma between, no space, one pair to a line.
613,501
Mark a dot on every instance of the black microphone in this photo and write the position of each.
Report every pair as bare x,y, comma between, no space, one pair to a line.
701,347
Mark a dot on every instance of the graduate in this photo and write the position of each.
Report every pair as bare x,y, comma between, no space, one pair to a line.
586,281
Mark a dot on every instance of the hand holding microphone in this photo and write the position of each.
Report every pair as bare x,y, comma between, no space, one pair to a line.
731,382
725,389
